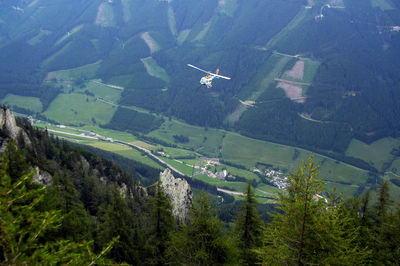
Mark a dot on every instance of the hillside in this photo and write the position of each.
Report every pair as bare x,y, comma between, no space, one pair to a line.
64,205
342,76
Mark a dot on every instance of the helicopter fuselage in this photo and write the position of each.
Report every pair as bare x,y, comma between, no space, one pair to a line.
207,80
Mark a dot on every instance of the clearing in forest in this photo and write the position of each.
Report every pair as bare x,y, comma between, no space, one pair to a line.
151,43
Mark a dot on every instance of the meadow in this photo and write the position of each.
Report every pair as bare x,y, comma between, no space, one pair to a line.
77,108
378,153
30,103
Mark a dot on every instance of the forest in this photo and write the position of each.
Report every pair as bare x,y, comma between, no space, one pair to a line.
82,216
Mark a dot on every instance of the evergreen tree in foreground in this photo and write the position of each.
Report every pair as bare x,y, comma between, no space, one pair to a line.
248,229
161,225
23,227
203,241
310,229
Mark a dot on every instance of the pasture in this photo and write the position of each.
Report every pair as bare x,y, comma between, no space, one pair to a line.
31,103
377,154
77,109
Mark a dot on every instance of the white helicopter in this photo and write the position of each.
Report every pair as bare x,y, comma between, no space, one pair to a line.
207,80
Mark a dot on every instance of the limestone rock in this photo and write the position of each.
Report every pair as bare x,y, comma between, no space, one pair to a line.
7,122
42,177
180,194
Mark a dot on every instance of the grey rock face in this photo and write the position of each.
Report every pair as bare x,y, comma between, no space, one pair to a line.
42,177
180,194
7,121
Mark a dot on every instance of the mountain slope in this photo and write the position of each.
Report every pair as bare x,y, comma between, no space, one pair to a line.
311,73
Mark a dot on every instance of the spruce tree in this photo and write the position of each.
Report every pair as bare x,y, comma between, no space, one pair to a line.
310,228
248,229
203,241
161,224
23,228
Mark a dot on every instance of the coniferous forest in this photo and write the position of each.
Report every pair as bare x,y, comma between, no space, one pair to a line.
92,212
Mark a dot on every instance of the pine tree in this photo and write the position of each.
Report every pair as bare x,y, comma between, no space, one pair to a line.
385,232
309,229
161,225
248,229
117,220
23,227
203,241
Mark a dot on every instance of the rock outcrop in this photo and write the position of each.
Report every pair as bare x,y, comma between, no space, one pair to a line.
180,194
8,123
42,177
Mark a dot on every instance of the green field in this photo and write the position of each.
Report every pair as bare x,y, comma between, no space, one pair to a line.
153,69
53,56
310,69
187,170
69,34
86,72
176,152
79,109
126,152
273,68
203,140
303,13
248,152
31,103
378,153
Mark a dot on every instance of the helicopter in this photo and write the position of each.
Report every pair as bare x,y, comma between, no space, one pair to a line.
207,80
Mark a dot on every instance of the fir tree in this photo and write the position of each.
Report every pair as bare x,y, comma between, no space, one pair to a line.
203,241
248,229
161,225
309,229
23,227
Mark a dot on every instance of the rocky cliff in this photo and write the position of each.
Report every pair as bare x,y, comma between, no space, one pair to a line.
8,124
180,194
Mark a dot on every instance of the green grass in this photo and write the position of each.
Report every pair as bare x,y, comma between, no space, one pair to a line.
126,152
195,134
86,71
103,91
395,167
303,13
384,5
53,56
118,135
270,190
187,170
171,20
239,172
31,103
153,69
176,152
279,63
236,186
69,34
182,36
74,109
204,31
108,19
377,153
248,152
310,69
